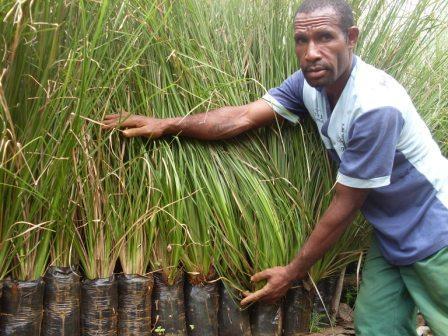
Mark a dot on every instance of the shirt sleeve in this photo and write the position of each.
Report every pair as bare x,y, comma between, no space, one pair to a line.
368,160
287,99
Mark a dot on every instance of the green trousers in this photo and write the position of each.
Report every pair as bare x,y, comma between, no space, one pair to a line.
390,295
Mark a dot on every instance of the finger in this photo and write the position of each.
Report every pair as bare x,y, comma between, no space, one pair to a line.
111,116
246,294
111,121
131,122
253,297
121,113
260,276
109,124
117,116
134,132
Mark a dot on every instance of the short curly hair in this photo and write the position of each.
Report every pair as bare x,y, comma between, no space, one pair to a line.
341,7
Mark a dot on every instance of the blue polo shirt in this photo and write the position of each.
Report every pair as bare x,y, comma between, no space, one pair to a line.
381,143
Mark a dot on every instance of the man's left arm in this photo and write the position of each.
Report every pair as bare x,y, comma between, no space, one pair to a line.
339,215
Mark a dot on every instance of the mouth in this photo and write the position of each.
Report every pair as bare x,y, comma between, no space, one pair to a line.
316,73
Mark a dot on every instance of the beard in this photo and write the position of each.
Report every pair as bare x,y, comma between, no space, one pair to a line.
318,74
320,78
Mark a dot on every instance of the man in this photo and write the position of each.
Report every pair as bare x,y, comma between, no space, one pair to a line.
389,167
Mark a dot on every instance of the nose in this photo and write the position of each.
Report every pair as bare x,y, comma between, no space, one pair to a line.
312,53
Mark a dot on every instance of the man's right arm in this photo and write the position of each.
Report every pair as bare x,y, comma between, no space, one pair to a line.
222,123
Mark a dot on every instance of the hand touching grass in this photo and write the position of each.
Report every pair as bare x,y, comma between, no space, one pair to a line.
136,125
279,280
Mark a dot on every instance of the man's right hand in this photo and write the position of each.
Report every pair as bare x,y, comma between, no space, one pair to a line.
223,123
135,125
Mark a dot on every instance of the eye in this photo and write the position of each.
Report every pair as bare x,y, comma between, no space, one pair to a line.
300,40
326,37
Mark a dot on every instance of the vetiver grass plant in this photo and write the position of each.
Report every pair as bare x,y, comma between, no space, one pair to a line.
130,213
7,192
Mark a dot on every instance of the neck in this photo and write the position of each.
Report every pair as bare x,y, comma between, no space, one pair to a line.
334,90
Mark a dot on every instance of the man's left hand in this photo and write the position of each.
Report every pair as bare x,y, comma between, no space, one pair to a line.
279,280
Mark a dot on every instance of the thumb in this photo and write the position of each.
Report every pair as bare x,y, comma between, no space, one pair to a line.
260,276
134,132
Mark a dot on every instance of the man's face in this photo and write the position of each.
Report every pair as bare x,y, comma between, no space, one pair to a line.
324,51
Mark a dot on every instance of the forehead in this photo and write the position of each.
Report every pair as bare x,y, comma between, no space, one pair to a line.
324,18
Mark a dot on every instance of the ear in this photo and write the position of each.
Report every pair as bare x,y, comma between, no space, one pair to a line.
352,36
